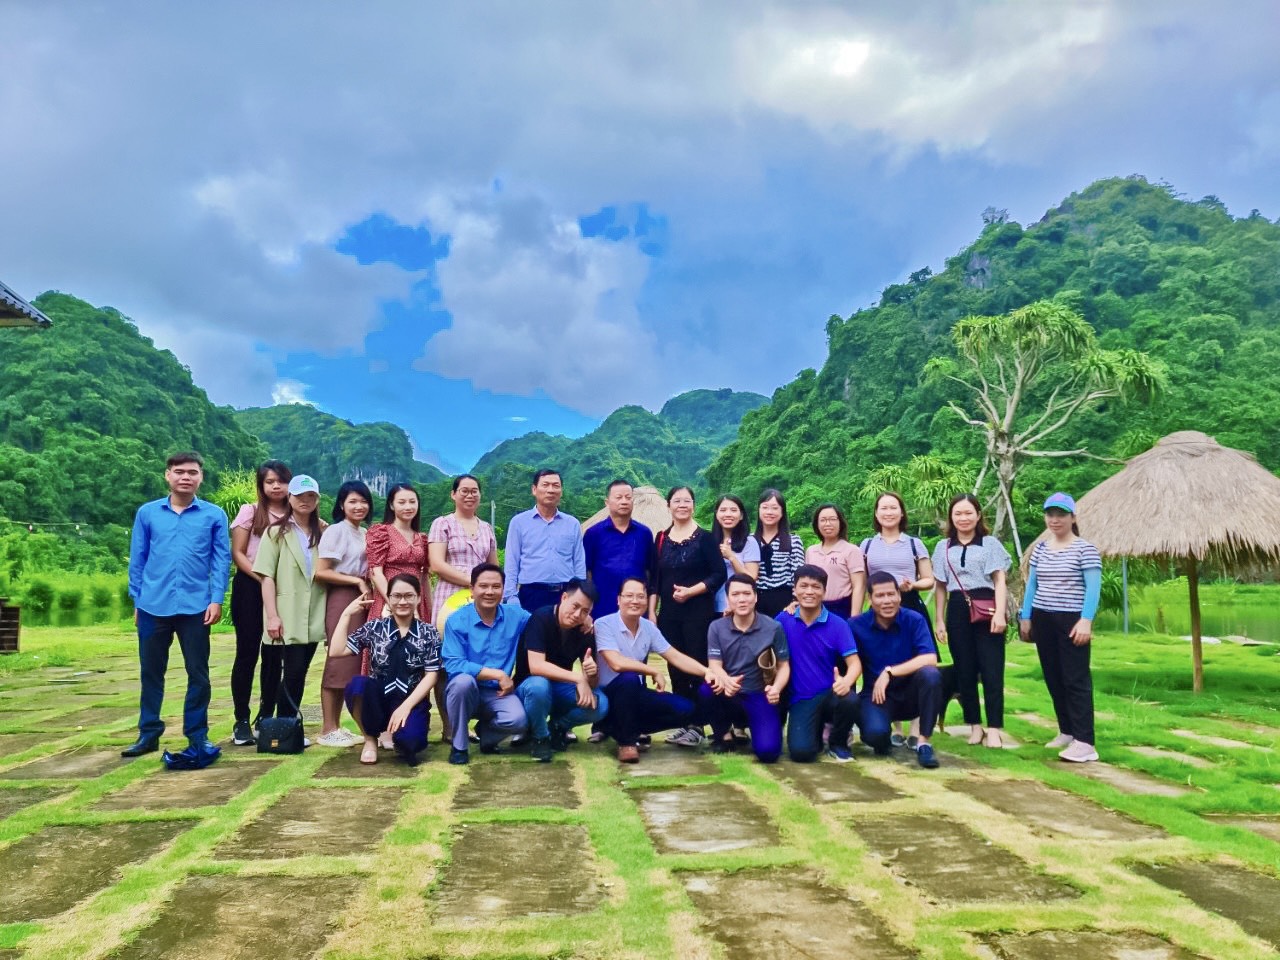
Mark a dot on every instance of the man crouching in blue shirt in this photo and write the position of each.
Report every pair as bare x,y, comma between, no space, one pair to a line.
901,669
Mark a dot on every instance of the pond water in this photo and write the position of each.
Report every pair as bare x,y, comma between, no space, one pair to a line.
1164,608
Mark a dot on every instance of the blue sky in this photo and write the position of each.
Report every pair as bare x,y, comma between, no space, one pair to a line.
486,219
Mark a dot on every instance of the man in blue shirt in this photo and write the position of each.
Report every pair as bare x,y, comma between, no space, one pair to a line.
821,691
480,642
900,666
544,548
617,548
179,565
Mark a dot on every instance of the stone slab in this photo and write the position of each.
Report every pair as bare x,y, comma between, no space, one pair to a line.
1159,753
346,763
834,782
950,862
517,870
1225,742
234,917
1052,812
517,784
188,789
111,717
1268,827
50,871
708,818
1083,945
14,743
1243,896
11,801
787,914
663,760
317,822
1127,781
84,763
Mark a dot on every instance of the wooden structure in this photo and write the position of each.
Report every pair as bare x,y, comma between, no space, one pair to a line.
10,625
16,312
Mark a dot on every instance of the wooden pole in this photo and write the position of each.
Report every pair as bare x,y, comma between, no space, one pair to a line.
1197,650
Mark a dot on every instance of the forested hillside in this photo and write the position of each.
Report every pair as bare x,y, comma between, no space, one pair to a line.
1195,289
332,449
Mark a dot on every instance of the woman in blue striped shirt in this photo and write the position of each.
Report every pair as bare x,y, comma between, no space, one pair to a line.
1057,615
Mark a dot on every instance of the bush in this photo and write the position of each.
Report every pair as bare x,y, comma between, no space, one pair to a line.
37,601
101,600
125,601
70,600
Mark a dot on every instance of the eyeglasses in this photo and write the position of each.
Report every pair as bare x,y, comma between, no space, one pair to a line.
403,597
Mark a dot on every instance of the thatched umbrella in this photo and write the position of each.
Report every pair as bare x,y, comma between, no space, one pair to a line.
1188,499
647,506
16,312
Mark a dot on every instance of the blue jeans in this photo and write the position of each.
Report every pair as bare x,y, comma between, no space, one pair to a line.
804,728
500,717
557,700
918,694
155,637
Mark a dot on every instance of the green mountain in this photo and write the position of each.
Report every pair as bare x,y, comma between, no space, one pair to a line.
1181,281
89,409
333,450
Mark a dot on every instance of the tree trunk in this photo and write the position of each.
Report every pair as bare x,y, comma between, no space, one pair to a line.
1197,651
1006,475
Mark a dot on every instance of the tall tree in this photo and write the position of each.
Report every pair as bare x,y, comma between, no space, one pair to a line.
1027,375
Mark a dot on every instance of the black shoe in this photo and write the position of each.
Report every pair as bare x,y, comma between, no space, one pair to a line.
925,757
457,756
519,740
407,755
541,751
140,746
560,739
570,737
724,746
489,748
242,736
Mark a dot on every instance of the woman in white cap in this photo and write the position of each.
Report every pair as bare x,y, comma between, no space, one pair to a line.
293,600
1057,614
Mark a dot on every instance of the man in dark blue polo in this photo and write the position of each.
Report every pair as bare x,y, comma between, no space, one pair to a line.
900,666
618,548
824,670
179,564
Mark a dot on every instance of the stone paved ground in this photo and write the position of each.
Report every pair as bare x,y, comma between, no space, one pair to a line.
681,856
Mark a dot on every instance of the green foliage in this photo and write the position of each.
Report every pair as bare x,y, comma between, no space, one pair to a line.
37,600
1149,273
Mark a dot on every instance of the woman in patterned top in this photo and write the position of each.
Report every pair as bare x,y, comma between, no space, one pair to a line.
404,664
459,542
781,554
1057,615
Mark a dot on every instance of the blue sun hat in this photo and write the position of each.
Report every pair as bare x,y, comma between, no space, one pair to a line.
1061,501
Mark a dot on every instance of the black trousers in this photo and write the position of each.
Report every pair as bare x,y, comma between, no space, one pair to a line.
246,614
978,654
284,675
1066,672
774,600
685,626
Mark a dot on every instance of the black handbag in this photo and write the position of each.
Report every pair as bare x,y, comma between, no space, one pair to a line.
281,734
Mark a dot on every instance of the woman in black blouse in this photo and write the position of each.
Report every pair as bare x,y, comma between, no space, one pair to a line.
682,600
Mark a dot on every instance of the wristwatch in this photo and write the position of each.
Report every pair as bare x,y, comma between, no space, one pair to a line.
889,672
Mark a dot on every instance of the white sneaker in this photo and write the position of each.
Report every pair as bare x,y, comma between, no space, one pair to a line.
1079,752
675,735
689,737
1060,741
306,742
335,738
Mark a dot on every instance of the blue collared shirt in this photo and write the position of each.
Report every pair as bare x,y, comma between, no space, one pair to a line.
907,637
816,650
612,557
543,551
471,645
179,563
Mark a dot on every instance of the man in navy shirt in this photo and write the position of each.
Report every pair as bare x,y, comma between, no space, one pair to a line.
617,548
179,564
901,669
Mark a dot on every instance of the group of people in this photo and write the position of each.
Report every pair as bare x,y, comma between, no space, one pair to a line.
758,634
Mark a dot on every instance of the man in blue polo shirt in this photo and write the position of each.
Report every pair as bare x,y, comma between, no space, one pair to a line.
544,548
479,653
179,564
900,666
617,548
821,692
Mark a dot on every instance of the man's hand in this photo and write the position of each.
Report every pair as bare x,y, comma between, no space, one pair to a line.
660,684
772,694
588,625
275,628
882,684
586,696
505,685
589,668
732,685
398,718
212,614
841,685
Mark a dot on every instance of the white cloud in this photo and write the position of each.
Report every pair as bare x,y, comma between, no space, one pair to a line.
290,391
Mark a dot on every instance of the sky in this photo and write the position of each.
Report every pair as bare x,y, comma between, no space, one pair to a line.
477,220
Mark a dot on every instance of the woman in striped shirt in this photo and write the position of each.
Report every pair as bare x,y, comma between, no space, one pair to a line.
781,554
1057,615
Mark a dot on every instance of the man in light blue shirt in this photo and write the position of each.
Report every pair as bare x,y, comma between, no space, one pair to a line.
544,548
480,643
179,564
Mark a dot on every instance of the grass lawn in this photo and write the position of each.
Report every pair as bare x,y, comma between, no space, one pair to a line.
312,855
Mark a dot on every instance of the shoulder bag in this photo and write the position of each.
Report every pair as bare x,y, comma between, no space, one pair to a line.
281,734
981,609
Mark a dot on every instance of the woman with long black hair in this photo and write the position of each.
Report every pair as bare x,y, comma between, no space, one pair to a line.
972,614
272,480
781,554
739,548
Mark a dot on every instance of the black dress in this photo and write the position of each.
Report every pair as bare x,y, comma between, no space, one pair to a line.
684,625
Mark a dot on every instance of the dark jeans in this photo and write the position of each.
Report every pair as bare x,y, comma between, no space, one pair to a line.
978,653
841,607
804,727
916,695
635,709
155,637
535,596
284,675
1066,672
246,614
685,626
746,708
556,701
374,706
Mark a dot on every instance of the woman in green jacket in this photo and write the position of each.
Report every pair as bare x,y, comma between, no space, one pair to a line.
292,600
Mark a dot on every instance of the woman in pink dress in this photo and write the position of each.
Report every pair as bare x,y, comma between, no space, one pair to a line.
459,542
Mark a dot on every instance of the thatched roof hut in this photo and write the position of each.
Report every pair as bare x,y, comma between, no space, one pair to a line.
648,506
16,312
1189,499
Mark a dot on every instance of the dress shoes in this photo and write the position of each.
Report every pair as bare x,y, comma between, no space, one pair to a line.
140,746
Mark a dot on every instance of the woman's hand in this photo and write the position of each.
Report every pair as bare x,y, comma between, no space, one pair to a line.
940,631
1024,630
399,717
275,627
681,594
355,606
726,550
999,621
907,585
1082,632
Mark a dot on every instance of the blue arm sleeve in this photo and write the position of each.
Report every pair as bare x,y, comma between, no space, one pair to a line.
1028,597
1092,591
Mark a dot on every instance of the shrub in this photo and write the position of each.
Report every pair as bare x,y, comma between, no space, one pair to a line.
70,600
101,600
37,601
125,601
